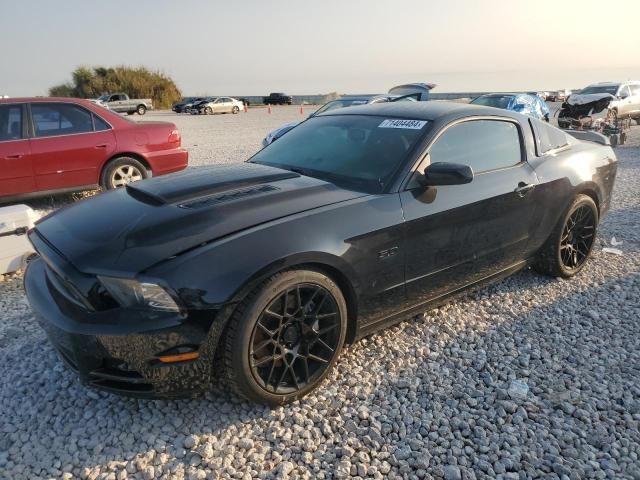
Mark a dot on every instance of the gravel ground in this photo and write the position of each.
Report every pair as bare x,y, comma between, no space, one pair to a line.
530,378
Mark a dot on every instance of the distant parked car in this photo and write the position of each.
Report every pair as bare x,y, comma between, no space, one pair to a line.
277,99
420,90
559,95
601,103
55,145
347,101
121,103
245,102
217,105
193,109
185,104
524,103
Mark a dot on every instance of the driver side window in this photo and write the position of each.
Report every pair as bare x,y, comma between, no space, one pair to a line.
484,145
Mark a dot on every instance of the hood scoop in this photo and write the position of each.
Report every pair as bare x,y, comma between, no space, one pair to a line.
229,196
215,183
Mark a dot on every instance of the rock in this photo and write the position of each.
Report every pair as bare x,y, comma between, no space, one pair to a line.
452,472
190,441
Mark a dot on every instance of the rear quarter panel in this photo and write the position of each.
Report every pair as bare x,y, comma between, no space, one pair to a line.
584,167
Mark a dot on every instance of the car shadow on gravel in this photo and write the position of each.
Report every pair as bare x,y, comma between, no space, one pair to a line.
443,387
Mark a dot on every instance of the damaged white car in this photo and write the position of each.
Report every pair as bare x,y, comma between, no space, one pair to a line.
606,107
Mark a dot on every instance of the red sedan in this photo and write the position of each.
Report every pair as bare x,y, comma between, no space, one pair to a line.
56,145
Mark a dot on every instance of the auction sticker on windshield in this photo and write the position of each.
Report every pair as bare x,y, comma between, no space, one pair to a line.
396,123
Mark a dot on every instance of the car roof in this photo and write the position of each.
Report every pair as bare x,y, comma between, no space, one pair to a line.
605,84
44,99
431,110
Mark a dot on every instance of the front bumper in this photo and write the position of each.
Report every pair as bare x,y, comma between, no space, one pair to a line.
117,350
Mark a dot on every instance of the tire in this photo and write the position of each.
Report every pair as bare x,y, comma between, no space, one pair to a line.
266,332
235,110
208,111
121,171
141,110
612,116
568,248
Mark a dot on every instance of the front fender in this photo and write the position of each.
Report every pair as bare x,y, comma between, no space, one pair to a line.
344,238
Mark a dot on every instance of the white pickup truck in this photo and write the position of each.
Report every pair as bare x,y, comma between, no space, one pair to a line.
121,103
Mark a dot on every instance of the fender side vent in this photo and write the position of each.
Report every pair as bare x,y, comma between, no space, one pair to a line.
230,196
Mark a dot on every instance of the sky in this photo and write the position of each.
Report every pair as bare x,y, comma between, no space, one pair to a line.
244,47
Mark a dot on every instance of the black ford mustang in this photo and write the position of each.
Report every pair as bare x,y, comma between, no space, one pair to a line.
354,220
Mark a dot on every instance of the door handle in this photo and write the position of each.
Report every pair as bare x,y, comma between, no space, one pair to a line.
523,188
14,157
104,145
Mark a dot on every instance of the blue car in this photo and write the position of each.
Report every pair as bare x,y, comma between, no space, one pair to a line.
524,103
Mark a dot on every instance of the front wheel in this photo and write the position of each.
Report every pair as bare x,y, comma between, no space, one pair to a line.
566,251
208,111
141,110
235,110
285,337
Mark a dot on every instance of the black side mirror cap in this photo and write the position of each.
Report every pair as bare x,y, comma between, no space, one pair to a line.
445,173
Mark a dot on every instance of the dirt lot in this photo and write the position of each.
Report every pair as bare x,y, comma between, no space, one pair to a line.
440,396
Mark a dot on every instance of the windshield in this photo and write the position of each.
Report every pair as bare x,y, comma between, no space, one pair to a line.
356,152
612,89
501,101
104,98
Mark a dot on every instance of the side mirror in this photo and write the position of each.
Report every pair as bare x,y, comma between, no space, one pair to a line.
445,173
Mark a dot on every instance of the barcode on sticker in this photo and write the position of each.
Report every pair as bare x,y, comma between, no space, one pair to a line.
411,124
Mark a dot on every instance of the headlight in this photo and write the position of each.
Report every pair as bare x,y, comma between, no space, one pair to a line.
133,294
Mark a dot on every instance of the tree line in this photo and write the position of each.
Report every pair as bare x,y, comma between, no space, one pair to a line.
136,82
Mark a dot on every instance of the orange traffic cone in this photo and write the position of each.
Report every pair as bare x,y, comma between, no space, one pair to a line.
301,110
269,109
246,109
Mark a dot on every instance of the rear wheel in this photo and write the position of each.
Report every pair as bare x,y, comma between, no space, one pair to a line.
566,251
285,337
141,110
121,171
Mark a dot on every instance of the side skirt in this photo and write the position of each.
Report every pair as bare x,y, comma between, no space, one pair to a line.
44,193
410,312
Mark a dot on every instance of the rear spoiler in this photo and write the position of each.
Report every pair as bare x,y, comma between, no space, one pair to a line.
588,136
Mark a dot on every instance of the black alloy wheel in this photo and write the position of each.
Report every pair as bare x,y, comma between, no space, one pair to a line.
577,237
285,337
295,338
569,246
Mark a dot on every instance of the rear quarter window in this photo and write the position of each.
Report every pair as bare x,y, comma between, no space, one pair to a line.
548,138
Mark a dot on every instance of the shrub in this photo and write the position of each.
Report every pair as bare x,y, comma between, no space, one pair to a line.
136,82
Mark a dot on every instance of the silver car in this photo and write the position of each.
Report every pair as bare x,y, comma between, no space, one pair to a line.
219,105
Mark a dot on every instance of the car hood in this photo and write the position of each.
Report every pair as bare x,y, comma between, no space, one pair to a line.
128,230
577,99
